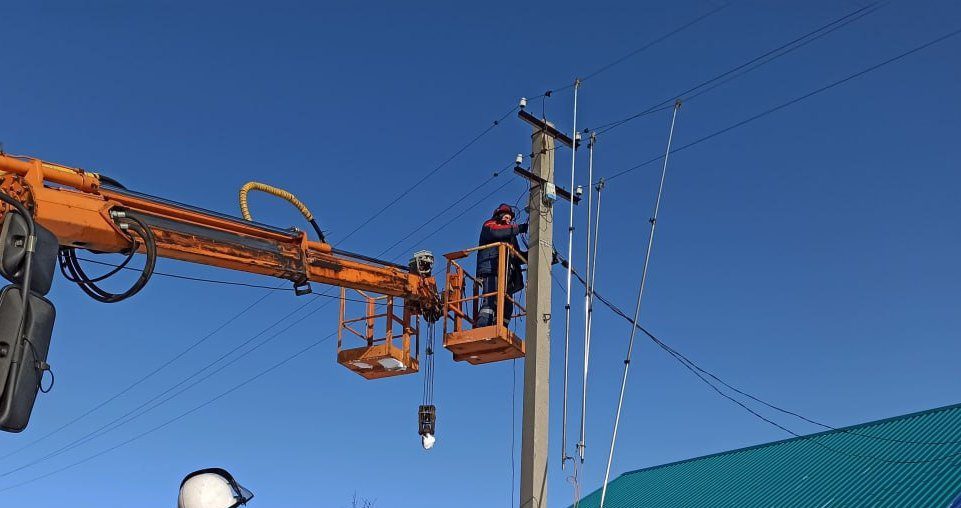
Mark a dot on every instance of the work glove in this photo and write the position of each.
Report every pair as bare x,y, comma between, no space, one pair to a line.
522,228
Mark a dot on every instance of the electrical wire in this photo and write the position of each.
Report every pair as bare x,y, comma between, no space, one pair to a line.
567,304
694,369
176,418
636,51
461,214
130,416
220,282
77,278
439,214
640,296
429,174
135,413
590,270
703,374
42,366
105,428
143,378
513,428
122,266
748,66
857,15
680,357
587,290
182,353
793,101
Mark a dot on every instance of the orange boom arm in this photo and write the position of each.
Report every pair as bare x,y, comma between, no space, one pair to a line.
81,210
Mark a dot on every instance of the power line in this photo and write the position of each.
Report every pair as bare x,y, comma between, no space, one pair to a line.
701,373
114,423
747,66
140,380
461,214
639,49
176,418
459,200
640,296
218,281
793,101
89,436
655,41
812,439
217,329
123,419
187,277
429,174
513,427
857,15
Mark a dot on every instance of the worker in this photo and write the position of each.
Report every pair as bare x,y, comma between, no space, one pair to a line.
212,488
499,228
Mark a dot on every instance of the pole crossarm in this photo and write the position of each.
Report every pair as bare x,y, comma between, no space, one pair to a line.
547,128
564,193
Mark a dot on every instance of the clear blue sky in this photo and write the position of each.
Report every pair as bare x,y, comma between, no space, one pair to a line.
810,256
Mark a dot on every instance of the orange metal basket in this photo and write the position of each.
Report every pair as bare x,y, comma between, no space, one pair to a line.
384,355
462,296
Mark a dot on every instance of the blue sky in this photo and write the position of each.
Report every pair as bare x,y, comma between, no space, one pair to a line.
809,256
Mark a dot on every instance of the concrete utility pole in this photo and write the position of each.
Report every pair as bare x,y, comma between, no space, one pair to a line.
537,362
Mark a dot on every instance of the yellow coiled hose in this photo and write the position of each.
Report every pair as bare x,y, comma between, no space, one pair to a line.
280,193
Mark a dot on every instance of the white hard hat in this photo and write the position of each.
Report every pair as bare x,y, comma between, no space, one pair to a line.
212,488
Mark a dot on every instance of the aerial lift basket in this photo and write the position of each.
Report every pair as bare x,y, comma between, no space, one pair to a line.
463,295
380,355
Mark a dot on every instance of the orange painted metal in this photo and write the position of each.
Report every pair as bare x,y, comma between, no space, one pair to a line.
379,356
462,296
486,344
71,203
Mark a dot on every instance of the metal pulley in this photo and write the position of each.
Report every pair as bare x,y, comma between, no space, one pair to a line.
426,422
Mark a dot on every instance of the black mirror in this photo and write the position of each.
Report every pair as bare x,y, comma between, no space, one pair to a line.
13,250
20,380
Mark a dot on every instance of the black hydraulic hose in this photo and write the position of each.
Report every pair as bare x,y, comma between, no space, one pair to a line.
104,179
107,275
320,234
90,288
14,374
72,269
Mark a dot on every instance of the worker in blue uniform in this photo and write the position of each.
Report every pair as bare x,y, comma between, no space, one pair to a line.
499,228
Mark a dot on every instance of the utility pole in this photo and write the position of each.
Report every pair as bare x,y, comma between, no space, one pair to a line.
543,192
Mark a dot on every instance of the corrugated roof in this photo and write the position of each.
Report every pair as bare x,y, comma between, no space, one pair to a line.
863,465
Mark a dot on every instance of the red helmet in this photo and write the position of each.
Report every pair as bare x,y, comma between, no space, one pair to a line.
502,209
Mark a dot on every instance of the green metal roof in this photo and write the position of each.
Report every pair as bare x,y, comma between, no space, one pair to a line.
862,465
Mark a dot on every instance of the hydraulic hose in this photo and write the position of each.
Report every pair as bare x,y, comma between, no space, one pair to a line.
73,271
282,194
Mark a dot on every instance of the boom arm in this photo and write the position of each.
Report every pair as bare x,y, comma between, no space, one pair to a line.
80,209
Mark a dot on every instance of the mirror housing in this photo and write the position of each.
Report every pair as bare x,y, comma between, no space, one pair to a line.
13,251
20,381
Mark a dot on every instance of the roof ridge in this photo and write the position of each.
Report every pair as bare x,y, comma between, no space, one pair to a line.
803,437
